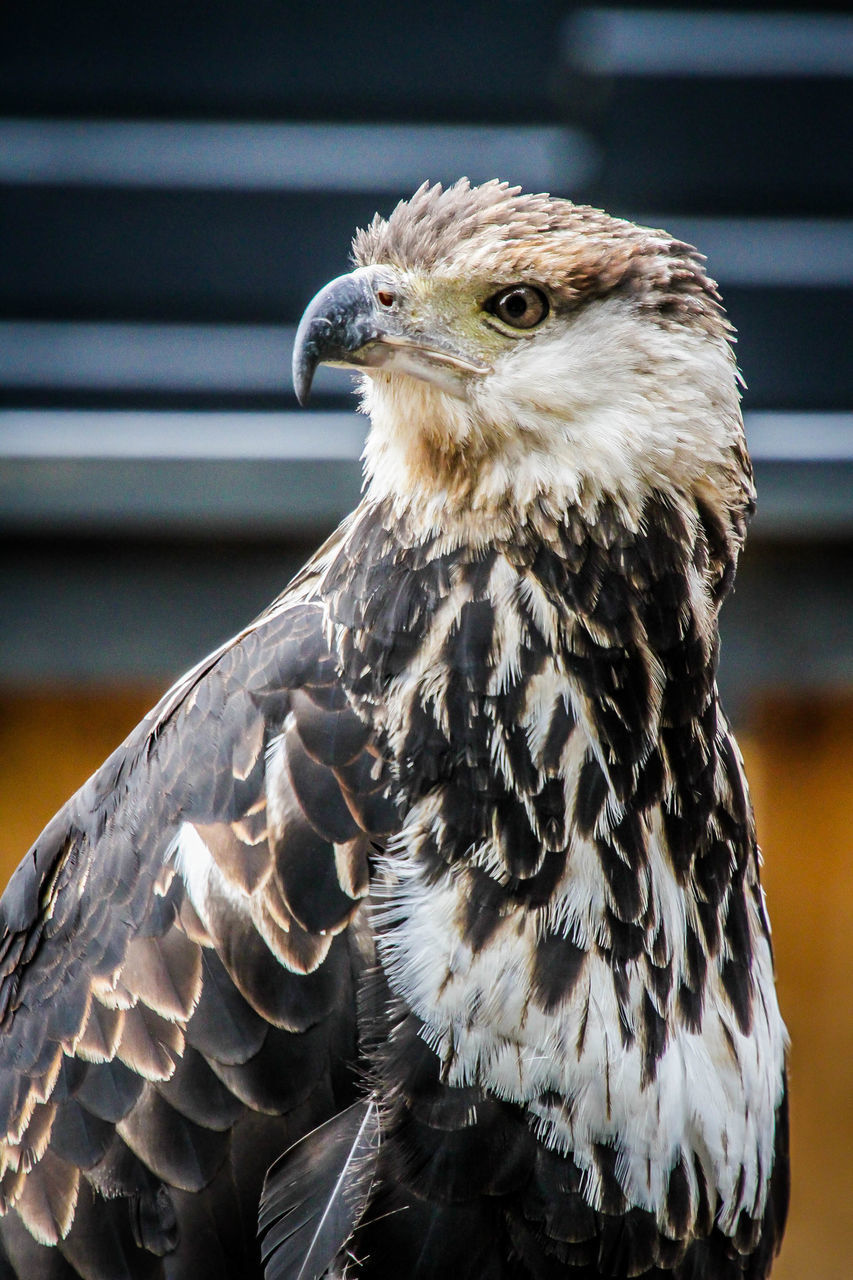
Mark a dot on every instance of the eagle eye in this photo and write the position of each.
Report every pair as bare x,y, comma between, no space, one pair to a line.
520,306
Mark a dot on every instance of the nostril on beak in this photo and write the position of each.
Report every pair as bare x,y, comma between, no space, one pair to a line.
385,297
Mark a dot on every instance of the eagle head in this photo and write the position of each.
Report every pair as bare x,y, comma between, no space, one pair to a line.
516,348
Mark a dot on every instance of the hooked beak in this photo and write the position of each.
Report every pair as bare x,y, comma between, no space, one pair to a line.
354,322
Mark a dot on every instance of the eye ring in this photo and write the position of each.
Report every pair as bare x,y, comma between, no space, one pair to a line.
521,306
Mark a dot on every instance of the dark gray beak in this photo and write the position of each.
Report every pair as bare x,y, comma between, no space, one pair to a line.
344,317
359,321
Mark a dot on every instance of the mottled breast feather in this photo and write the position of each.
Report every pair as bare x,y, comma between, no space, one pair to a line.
587,1065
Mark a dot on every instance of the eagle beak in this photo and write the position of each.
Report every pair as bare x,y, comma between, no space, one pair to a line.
356,322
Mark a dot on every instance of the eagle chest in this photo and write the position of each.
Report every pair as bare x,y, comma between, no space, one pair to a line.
481,674
548,710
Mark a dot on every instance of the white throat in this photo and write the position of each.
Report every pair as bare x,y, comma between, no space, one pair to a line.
610,404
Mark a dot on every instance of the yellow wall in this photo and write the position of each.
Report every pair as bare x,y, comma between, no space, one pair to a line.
50,742
800,762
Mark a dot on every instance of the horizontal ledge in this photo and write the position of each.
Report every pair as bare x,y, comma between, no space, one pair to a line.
176,435
115,356
358,158
769,252
673,42
212,435
787,436
139,474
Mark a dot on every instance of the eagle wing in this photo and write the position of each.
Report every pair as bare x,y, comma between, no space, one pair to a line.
178,967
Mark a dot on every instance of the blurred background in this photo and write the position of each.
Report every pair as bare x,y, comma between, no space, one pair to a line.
176,181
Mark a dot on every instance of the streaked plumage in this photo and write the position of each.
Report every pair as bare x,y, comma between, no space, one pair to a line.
445,868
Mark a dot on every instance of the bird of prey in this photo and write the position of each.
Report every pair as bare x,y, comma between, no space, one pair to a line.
418,931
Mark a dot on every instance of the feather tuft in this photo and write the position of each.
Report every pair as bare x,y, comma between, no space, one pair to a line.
316,1193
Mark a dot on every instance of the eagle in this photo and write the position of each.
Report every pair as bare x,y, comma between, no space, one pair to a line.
418,930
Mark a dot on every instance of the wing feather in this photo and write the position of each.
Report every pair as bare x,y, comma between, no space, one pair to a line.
175,961
316,1193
